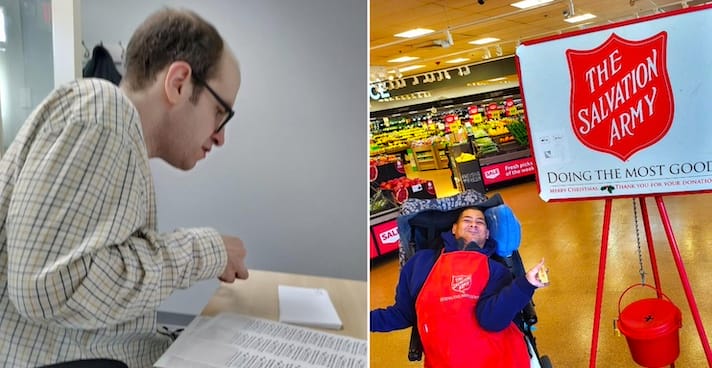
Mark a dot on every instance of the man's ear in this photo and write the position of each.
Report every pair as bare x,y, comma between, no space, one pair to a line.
177,84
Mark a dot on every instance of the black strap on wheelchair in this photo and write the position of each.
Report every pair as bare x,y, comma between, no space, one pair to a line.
415,348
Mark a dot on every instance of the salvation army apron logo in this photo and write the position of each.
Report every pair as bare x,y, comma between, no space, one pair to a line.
461,283
621,98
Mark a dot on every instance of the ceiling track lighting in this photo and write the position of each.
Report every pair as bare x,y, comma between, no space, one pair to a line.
415,81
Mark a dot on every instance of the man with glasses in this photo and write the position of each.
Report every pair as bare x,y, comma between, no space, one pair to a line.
83,268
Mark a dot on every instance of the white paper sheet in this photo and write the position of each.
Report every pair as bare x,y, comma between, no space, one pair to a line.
307,307
234,340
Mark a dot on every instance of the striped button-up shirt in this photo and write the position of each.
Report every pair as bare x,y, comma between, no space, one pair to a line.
82,266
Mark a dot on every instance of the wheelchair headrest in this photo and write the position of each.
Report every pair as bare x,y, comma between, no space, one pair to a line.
504,228
501,222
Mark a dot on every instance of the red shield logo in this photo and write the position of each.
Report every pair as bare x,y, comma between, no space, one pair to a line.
621,98
461,283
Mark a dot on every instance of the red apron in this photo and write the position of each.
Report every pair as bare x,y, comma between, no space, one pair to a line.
448,328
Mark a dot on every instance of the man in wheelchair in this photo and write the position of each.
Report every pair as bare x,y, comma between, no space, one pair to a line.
464,300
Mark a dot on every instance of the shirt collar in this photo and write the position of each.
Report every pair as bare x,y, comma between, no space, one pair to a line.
452,244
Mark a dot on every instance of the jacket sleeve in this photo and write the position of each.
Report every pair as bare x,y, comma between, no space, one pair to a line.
402,314
502,298
79,252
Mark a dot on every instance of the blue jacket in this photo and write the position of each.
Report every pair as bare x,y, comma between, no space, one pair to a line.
499,303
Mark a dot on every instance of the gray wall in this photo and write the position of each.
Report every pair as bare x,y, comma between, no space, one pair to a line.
26,75
290,180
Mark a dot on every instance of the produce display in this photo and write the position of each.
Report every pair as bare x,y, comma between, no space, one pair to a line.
519,132
493,128
380,202
402,182
485,145
382,160
465,157
399,140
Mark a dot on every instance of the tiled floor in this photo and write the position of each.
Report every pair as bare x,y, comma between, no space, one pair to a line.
568,235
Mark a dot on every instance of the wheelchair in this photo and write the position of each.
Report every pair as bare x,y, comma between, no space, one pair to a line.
421,221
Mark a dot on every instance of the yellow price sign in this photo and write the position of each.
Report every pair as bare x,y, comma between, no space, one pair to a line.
477,118
495,114
513,111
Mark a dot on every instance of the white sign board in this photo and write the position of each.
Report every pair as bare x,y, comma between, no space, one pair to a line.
623,109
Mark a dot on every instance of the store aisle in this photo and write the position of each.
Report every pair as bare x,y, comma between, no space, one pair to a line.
568,235
441,179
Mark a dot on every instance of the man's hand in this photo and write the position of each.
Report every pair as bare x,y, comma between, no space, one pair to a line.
236,253
539,275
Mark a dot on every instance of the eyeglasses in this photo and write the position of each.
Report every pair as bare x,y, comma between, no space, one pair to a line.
229,112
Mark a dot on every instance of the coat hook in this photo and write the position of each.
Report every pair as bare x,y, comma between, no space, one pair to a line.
86,50
123,51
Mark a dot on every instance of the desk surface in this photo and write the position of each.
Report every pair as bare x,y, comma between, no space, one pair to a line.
257,297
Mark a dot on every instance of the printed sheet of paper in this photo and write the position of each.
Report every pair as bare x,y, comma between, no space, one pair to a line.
235,340
307,307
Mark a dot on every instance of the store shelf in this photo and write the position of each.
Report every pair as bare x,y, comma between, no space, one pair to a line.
384,216
504,157
440,155
424,157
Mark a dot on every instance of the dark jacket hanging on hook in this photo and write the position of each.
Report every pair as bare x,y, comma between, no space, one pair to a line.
101,65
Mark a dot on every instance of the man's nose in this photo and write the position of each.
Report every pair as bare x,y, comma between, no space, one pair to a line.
219,137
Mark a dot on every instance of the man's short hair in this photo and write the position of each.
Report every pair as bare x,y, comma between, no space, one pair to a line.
171,35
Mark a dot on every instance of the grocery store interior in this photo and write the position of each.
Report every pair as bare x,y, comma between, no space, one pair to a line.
448,116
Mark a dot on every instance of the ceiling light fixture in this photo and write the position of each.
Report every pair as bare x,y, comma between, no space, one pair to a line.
498,50
487,54
483,41
415,81
410,67
414,33
447,75
457,61
403,59
579,18
529,3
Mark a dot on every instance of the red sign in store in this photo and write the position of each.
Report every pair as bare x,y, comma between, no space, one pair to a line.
372,251
386,235
509,170
621,97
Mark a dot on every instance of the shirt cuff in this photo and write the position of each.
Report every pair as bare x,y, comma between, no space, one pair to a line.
210,256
